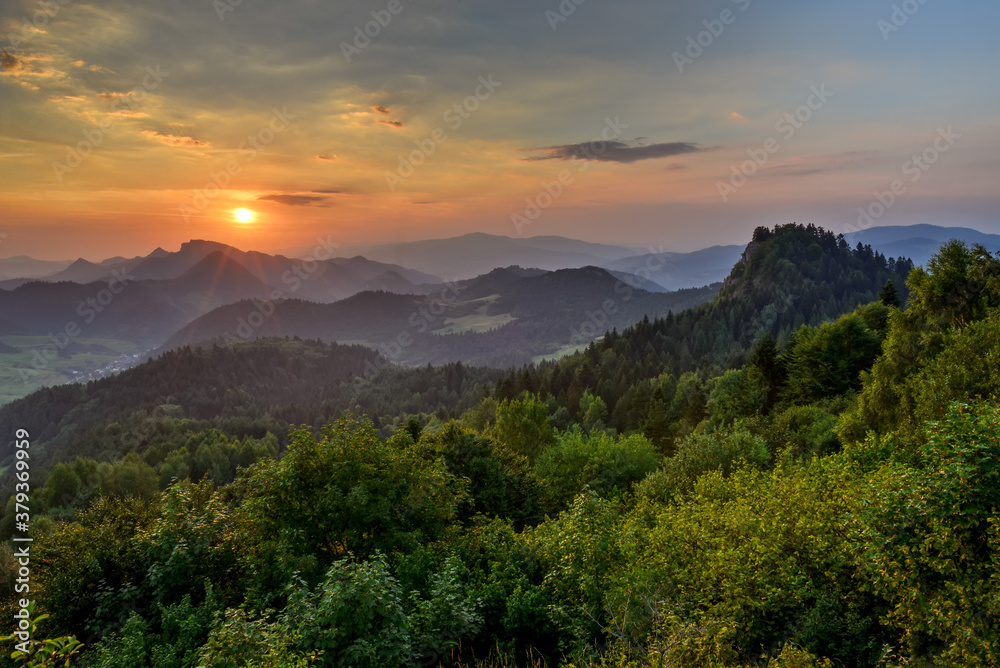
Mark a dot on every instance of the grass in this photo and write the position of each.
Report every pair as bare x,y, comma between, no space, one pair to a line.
560,353
477,322
25,371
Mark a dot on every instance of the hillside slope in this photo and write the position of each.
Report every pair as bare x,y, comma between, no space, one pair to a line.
787,277
503,318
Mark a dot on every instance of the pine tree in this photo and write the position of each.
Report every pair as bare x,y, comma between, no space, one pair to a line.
890,295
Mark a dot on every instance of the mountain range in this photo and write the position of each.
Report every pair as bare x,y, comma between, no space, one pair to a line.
919,242
474,254
507,317
207,291
394,298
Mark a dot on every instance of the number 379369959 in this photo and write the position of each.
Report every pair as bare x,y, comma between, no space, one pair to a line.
23,476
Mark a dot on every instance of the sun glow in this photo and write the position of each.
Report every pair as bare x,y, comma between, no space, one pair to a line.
244,216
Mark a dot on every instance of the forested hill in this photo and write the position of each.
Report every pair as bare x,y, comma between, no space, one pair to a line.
790,276
245,390
505,318
830,502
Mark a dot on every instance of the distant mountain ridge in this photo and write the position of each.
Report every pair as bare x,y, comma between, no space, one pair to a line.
22,266
787,277
420,265
474,254
470,255
920,242
506,317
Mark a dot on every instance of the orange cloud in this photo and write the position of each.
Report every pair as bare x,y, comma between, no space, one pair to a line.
8,61
175,140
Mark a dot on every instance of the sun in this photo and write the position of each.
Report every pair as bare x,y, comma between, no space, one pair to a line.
244,216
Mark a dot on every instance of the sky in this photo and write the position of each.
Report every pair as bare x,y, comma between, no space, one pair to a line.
267,124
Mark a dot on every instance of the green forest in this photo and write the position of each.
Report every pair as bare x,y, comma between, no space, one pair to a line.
803,472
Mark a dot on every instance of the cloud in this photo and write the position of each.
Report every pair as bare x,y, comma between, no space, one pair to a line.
832,162
325,156
293,200
380,109
175,140
395,124
8,61
614,151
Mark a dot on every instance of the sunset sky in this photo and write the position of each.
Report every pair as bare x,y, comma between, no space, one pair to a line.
115,117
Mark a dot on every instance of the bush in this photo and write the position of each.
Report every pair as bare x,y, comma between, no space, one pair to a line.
604,463
700,453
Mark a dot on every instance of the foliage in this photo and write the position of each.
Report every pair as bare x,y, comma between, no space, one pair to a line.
737,393
603,463
187,546
447,614
827,361
703,452
345,493
238,640
523,427
500,483
786,477
90,567
931,540
790,276
47,653
355,616
959,287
